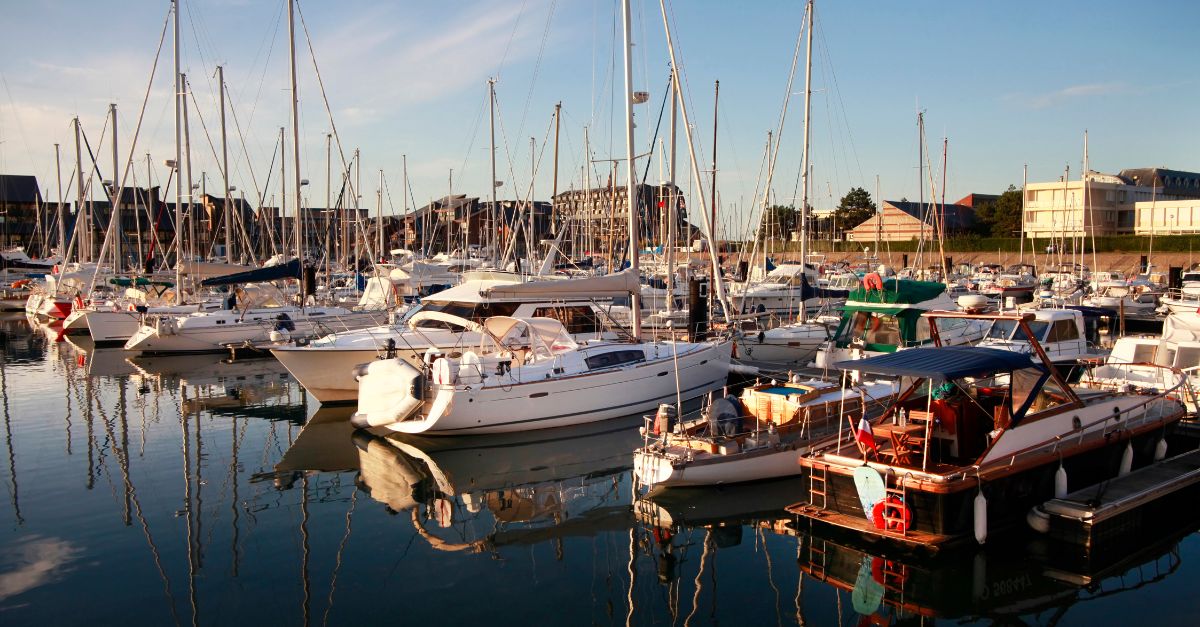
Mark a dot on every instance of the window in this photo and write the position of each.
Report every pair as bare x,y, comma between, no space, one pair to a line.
1063,331
577,319
476,312
613,359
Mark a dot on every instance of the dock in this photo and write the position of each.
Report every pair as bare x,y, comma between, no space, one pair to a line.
1136,503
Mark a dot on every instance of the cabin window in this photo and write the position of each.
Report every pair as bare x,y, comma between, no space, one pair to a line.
1063,331
577,319
476,312
922,330
1050,395
1009,330
613,359
884,330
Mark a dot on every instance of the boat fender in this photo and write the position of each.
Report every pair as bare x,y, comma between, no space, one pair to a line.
1126,460
981,526
445,372
1060,482
1160,450
470,369
1038,520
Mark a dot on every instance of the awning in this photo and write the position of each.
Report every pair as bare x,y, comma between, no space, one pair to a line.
943,362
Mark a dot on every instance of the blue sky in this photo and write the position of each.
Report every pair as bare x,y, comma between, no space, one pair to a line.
1008,83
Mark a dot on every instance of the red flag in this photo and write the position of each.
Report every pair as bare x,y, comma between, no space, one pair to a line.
865,436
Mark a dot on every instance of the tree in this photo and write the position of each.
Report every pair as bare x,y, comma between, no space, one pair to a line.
1000,217
778,221
854,209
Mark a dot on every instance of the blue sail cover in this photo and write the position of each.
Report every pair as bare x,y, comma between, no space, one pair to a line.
943,362
289,270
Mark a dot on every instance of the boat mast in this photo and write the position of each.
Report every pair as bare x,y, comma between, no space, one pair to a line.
187,151
554,183
227,213
804,161
493,240
62,220
299,227
672,202
379,223
178,162
115,195
687,129
1024,184
80,217
635,304
716,100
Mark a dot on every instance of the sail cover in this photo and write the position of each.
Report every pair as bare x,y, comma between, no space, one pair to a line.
289,270
608,286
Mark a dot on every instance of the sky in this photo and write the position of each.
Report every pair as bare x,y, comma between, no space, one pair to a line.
1007,84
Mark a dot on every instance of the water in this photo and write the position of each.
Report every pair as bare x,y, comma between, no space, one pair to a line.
188,491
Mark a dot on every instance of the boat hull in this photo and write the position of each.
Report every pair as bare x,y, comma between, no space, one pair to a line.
593,397
659,471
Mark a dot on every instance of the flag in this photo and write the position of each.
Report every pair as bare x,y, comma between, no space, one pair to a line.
865,437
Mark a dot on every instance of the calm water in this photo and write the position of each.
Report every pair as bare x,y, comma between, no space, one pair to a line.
188,491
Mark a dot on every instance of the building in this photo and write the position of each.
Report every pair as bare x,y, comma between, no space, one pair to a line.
1167,217
20,209
900,220
458,221
600,215
1102,204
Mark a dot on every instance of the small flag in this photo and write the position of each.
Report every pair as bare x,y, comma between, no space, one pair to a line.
865,436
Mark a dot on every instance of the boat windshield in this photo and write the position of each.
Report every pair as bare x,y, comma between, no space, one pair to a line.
1009,330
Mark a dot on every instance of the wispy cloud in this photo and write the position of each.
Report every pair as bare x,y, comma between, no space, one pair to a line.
1069,93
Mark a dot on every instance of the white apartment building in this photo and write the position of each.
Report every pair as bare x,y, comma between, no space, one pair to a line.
1104,204
1167,217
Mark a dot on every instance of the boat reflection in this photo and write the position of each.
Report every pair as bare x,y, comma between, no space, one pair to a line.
511,489
254,387
1004,583
100,362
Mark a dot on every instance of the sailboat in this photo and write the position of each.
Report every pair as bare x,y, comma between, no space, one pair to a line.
530,374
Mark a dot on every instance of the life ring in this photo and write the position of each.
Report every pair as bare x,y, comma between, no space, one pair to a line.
16,285
892,525
873,281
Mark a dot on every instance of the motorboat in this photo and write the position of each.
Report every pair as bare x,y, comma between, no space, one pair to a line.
885,317
528,373
977,438
786,290
1139,362
447,321
1120,296
1064,334
758,435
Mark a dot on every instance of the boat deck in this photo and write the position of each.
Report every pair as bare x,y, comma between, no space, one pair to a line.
912,538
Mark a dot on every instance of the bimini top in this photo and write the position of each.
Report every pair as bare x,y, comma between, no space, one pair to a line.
943,362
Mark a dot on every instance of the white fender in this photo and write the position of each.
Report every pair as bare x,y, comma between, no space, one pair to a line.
981,529
445,371
1126,460
1038,520
1160,450
1060,482
470,369
389,390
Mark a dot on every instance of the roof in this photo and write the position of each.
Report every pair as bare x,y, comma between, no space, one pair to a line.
19,188
1173,182
942,362
957,216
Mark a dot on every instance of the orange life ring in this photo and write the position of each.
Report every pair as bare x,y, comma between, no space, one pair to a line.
873,281
899,526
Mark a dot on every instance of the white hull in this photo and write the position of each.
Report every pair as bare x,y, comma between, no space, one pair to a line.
788,350
201,333
574,400
656,470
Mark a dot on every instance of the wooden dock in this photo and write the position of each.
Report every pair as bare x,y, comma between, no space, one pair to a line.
1139,502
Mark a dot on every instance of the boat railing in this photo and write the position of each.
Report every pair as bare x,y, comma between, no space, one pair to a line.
1184,294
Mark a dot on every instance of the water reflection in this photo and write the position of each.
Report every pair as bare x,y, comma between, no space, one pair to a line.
197,491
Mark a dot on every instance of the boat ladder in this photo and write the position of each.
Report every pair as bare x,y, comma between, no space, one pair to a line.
817,558
818,485
895,505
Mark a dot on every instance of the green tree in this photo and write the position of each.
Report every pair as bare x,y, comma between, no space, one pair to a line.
1000,217
855,208
778,222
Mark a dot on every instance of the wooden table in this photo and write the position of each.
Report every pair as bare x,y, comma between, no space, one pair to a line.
901,437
